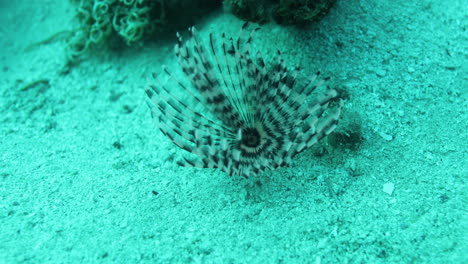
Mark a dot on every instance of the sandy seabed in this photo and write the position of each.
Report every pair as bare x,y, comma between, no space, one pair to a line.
85,177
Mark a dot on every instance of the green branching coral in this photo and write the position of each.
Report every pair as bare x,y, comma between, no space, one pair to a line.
99,20
111,22
132,22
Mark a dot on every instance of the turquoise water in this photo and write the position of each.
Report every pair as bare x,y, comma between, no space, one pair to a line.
86,177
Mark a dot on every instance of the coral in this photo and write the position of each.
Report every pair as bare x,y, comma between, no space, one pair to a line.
293,12
109,22
254,11
100,19
235,113
301,12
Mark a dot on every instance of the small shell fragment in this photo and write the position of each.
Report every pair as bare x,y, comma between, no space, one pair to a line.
388,188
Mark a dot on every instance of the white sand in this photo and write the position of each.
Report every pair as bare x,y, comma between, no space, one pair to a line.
69,194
